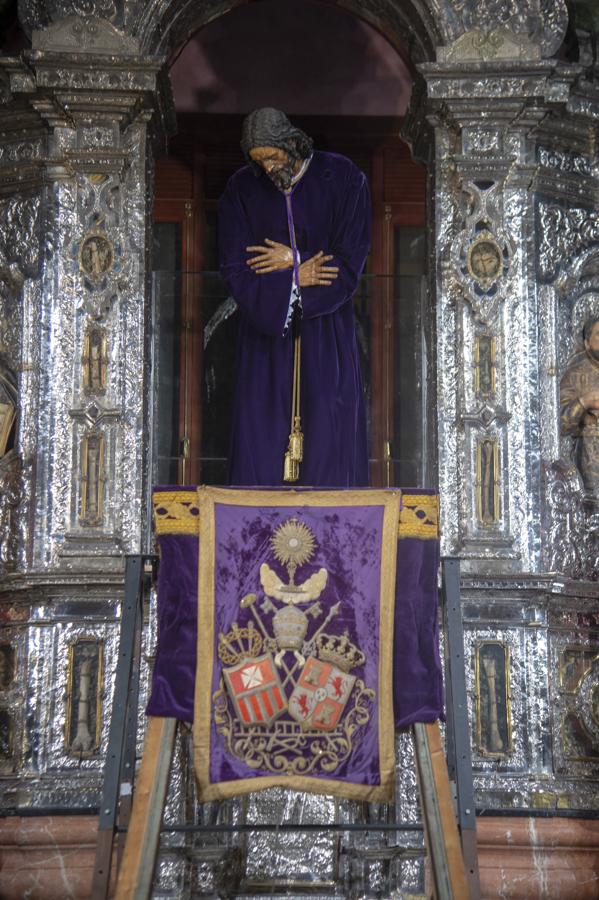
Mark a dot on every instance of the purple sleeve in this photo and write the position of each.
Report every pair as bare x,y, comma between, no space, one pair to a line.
350,242
264,298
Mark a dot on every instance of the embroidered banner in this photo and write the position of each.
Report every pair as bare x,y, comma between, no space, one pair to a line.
327,692
295,637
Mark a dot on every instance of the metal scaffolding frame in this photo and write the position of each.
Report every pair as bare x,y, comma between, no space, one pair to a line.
446,790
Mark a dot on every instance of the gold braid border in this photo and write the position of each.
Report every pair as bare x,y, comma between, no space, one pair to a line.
419,516
178,512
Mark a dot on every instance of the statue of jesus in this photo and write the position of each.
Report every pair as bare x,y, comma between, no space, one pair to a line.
294,233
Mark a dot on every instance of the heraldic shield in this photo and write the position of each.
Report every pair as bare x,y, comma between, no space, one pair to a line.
256,690
320,695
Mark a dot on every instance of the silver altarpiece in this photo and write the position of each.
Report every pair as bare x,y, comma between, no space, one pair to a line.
509,133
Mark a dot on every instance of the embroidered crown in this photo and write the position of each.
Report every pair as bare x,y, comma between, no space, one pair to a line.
238,644
340,651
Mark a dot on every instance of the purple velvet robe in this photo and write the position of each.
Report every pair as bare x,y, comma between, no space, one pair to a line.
331,212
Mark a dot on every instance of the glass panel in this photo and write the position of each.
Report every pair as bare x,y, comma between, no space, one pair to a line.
409,363
210,247
166,310
219,318
216,381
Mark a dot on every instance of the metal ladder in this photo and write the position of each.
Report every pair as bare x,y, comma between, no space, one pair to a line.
446,792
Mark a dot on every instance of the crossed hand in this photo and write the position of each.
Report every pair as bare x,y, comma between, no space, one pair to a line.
590,401
275,257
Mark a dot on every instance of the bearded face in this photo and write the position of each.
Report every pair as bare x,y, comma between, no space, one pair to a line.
282,176
277,164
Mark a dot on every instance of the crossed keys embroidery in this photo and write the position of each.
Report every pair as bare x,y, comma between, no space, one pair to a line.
281,684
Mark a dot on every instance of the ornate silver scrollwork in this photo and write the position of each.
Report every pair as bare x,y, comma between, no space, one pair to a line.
564,233
483,46
563,161
10,496
572,538
37,14
541,22
101,9
19,240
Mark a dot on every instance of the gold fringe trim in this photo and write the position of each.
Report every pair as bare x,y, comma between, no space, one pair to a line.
177,512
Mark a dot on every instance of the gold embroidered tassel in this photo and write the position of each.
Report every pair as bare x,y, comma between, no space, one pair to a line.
296,440
295,448
291,468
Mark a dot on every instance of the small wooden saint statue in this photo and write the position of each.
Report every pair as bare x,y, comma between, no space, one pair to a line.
579,406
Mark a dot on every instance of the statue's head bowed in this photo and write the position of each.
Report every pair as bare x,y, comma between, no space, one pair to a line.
268,127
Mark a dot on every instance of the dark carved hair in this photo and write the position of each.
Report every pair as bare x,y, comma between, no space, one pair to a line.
268,127
588,327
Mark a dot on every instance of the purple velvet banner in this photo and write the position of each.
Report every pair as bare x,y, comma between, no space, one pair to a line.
296,652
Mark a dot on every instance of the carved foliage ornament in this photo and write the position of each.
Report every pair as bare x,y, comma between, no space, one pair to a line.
561,161
543,22
39,13
19,240
571,544
101,9
477,45
564,233
75,33
10,496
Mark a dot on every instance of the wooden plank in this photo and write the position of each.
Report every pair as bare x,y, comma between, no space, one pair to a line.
441,828
125,807
122,719
141,848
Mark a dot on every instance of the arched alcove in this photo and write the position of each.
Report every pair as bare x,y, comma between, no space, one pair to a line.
413,27
306,57
348,87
